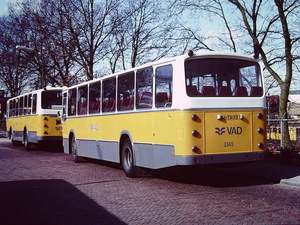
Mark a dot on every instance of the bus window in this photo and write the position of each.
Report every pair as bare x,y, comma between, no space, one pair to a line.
21,106
17,107
163,86
125,92
10,110
248,78
144,84
29,103
82,100
51,100
34,103
64,109
109,95
25,104
222,77
12,107
94,98
72,102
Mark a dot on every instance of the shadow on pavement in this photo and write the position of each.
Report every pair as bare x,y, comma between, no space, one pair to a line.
259,173
49,202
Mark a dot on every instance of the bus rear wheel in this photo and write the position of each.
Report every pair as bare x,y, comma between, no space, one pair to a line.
74,150
127,159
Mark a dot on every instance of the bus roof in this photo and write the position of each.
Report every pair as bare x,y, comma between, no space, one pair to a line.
48,88
201,53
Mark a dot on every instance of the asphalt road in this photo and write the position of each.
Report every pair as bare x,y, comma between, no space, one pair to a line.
46,187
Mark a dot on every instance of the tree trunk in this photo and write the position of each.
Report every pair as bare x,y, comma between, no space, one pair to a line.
283,114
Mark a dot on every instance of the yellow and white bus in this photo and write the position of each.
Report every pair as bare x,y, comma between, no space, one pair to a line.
202,108
32,118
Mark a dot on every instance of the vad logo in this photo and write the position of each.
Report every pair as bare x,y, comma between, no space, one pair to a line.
220,131
229,130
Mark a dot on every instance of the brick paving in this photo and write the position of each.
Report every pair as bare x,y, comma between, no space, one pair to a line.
44,187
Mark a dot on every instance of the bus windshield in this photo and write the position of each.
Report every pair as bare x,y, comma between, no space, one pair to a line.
223,78
52,99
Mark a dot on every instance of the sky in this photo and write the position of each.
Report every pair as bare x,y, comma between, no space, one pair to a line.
3,6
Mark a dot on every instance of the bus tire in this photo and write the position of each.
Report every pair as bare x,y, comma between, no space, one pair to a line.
13,142
9,134
127,159
74,150
25,141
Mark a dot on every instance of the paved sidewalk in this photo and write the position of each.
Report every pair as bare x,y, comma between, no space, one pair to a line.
275,167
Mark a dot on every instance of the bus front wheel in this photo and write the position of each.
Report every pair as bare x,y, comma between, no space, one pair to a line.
127,159
74,150
11,137
25,141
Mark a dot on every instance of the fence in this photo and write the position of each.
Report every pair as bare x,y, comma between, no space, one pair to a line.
275,130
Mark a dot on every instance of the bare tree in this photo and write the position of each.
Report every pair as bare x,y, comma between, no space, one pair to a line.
12,72
146,33
269,28
59,47
89,24
32,27
276,28
199,12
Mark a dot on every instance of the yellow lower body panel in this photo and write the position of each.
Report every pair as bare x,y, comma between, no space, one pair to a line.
167,138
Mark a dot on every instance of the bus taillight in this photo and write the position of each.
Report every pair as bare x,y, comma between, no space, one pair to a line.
195,149
260,115
194,117
261,145
260,130
195,133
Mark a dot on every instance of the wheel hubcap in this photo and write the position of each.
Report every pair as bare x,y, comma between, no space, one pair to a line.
128,158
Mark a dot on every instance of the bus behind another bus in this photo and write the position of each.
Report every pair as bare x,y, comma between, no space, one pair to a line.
32,118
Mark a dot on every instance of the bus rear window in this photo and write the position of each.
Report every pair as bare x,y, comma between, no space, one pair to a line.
222,78
52,100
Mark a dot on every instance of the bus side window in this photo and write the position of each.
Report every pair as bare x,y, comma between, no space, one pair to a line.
17,100
125,92
11,108
21,106
82,100
109,95
144,84
29,103
15,107
94,97
163,86
25,104
34,103
72,102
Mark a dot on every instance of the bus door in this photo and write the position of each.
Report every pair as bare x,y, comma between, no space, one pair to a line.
64,108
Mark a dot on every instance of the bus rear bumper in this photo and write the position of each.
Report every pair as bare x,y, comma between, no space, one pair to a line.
49,138
220,158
